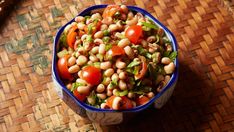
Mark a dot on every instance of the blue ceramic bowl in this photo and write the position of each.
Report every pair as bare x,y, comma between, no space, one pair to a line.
105,116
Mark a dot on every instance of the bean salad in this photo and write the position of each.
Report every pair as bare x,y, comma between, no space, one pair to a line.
115,58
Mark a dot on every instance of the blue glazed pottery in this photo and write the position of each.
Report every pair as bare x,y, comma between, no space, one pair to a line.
106,116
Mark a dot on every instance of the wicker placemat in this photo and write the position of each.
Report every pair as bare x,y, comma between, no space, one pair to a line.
203,99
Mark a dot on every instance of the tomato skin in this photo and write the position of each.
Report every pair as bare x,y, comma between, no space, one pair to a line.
79,96
133,33
125,103
63,68
142,100
144,68
91,75
116,50
71,36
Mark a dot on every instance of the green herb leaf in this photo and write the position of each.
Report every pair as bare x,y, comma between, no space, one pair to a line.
150,25
166,54
173,55
114,83
106,33
106,39
62,53
89,38
133,63
63,40
108,46
90,28
122,93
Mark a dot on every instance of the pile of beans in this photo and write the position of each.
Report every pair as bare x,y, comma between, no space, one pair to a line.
116,59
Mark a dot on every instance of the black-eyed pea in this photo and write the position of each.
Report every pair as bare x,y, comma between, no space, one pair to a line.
79,74
81,26
113,27
124,8
83,37
161,86
106,81
96,16
123,42
160,78
73,24
152,50
116,103
133,104
115,92
79,19
151,39
109,72
107,20
118,71
131,95
83,89
130,15
98,41
169,48
94,50
98,34
120,64
122,75
81,50
81,60
167,78
91,100
166,60
73,69
132,21
101,49
104,106
129,51
71,61
115,77
93,58
122,85
67,28
81,81
100,88
105,65
101,95
103,27
69,86
150,95
119,24
90,62
169,69
109,93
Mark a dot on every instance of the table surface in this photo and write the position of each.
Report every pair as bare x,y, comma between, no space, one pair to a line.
204,96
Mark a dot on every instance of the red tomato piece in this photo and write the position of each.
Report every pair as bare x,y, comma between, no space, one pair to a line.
142,100
133,33
79,96
63,68
91,75
116,50
71,36
144,68
110,10
125,103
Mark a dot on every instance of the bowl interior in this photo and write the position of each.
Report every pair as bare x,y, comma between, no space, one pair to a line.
90,108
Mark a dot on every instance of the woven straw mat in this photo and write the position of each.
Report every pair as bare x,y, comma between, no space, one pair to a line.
204,96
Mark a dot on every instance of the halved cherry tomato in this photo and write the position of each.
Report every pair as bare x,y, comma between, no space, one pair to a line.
91,75
143,70
116,50
125,103
63,68
110,10
142,100
133,33
79,96
71,36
